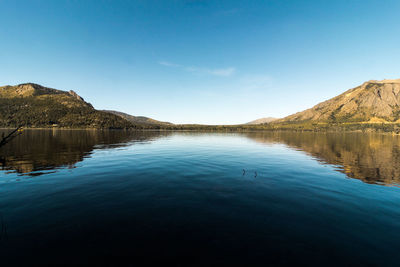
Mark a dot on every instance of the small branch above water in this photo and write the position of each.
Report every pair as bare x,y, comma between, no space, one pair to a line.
10,136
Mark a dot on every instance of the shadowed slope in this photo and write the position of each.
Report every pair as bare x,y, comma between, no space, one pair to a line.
137,119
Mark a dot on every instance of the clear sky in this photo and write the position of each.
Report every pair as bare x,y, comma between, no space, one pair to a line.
212,62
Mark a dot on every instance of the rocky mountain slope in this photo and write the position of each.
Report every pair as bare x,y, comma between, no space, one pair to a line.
33,105
262,120
373,101
138,119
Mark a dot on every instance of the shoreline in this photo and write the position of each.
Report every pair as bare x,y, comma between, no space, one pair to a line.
224,129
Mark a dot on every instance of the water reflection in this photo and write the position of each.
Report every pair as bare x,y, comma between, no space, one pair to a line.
372,158
37,152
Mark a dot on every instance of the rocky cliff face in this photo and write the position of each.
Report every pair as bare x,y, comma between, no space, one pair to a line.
32,89
26,90
75,95
373,101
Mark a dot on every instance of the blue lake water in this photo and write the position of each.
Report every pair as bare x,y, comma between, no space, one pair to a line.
200,199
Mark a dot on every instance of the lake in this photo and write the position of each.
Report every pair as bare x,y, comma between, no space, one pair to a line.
200,199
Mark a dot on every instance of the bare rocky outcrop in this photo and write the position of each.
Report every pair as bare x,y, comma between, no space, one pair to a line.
26,90
74,94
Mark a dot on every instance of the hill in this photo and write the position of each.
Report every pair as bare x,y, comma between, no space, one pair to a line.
371,102
33,105
137,119
262,121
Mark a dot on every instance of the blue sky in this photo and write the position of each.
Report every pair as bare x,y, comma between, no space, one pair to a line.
212,62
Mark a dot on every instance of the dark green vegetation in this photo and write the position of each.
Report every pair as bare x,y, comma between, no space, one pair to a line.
32,106
372,107
298,127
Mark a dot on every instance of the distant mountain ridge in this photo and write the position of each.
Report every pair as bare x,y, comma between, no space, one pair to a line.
137,119
33,105
262,120
373,102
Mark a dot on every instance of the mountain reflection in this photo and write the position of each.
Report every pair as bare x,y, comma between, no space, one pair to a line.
37,152
372,158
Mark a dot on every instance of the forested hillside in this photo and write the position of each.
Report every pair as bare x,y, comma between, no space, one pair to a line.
32,105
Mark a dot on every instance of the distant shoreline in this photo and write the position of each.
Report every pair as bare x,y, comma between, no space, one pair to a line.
393,129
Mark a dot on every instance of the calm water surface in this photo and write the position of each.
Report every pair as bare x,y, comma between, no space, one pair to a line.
110,197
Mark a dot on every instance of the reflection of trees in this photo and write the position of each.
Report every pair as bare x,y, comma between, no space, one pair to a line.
372,158
39,150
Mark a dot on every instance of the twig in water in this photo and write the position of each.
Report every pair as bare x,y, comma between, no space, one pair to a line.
10,136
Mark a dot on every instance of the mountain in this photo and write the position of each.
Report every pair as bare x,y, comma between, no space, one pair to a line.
372,102
262,120
33,105
137,119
